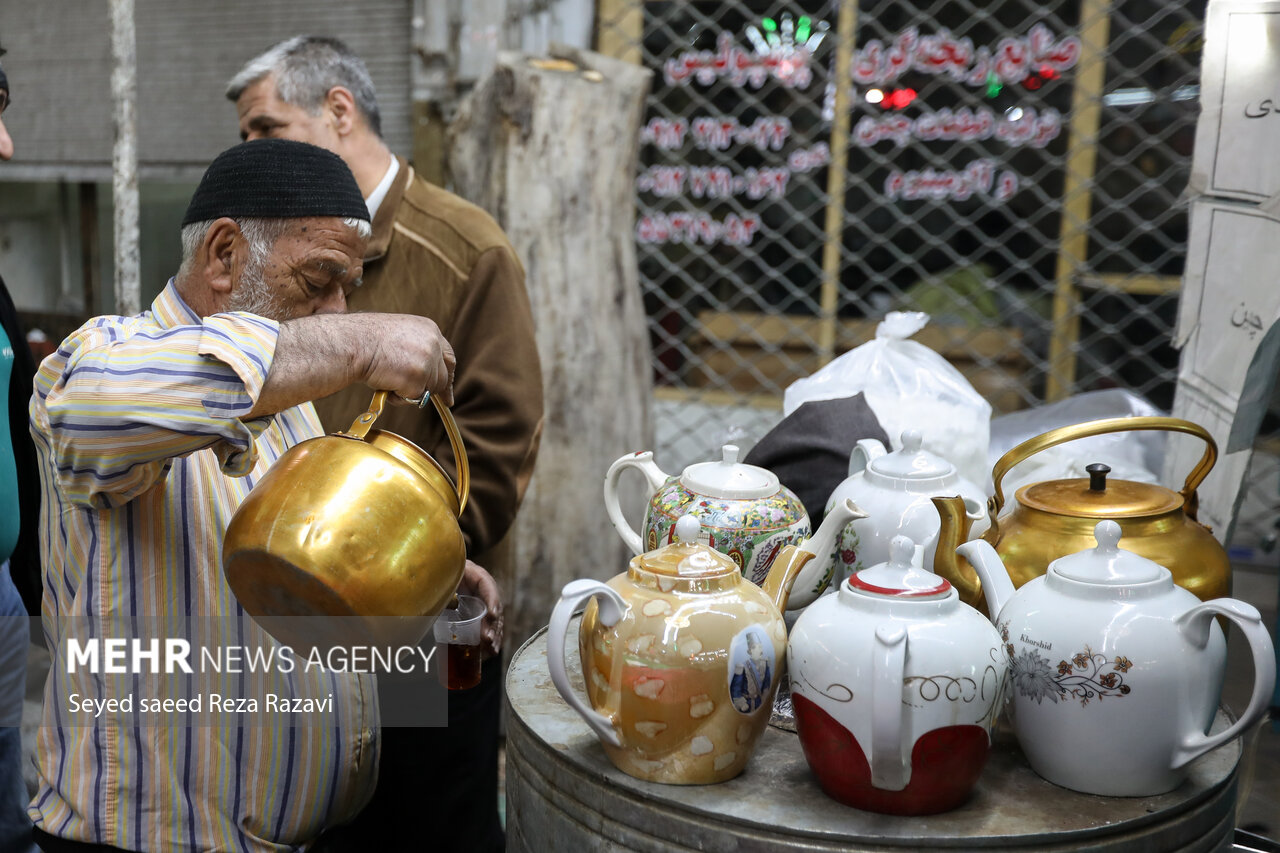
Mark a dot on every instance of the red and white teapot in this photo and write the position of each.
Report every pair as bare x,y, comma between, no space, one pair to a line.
896,684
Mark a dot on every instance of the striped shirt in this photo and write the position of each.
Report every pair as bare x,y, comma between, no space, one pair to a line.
145,454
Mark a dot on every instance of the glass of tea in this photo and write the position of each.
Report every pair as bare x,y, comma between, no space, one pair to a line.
458,642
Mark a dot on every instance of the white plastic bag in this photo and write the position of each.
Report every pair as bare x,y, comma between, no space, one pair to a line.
908,386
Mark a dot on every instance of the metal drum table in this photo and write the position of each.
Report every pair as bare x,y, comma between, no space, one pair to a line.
563,796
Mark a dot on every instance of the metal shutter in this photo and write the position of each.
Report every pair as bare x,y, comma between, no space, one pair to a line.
59,66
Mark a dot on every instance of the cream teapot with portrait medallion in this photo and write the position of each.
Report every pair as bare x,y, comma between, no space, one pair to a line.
1116,671
681,654
744,511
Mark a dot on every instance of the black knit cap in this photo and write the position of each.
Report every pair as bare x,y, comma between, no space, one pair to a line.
276,179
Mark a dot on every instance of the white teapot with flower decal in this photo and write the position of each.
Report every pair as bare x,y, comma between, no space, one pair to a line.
1116,670
896,488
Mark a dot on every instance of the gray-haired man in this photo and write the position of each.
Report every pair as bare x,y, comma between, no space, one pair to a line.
438,256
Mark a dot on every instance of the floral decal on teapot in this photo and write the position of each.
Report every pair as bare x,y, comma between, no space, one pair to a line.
749,532
845,560
1085,677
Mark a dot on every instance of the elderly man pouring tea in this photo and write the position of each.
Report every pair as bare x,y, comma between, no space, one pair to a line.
151,430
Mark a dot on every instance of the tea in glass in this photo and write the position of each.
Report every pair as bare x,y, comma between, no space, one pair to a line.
459,637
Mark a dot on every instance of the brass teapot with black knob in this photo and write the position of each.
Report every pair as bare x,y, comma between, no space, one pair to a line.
1054,518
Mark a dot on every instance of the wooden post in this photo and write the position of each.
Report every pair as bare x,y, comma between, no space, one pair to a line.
90,251
429,129
620,29
837,175
433,67
124,157
1077,194
550,148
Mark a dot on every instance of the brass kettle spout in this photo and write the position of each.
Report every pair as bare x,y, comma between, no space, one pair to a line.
954,532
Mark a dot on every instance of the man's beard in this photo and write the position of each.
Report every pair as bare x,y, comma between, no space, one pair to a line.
253,296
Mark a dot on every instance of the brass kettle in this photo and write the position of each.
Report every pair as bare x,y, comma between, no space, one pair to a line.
1057,517
350,538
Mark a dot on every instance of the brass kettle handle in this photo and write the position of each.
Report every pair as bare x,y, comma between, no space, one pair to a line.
1054,437
361,426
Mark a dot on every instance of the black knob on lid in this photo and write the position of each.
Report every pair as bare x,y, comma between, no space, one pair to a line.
1098,476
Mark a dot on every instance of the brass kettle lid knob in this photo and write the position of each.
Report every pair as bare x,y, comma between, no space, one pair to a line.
1098,476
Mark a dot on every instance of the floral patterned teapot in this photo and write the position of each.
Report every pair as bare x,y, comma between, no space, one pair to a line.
896,684
1116,670
745,512
681,655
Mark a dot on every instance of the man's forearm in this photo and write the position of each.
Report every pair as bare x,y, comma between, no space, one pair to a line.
323,353
314,356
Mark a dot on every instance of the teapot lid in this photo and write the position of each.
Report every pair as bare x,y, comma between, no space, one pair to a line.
686,557
1108,563
898,578
729,479
1098,497
912,462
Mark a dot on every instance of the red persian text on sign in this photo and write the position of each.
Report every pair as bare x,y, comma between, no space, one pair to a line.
694,227
963,125
1011,60
979,177
739,67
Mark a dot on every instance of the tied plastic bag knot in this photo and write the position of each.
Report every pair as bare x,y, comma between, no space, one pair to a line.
900,325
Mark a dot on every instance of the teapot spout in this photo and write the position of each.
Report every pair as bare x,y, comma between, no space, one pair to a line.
957,517
996,584
783,573
792,559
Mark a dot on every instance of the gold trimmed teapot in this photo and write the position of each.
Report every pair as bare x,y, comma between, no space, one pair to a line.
681,654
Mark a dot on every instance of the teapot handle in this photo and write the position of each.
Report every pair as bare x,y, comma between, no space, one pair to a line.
1196,625
890,767
611,608
654,478
360,428
863,452
1052,438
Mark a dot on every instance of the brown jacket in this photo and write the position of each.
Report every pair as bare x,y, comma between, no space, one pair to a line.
436,255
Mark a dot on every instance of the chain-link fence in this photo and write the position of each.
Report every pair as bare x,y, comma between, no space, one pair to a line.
1013,168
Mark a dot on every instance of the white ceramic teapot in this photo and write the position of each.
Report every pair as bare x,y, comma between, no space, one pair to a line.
895,685
896,488
1116,671
745,512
